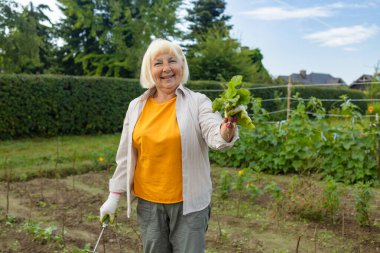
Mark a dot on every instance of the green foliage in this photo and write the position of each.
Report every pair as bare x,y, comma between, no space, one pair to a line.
240,180
348,152
10,220
108,38
234,102
304,92
225,185
52,105
331,198
74,249
25,42
274,190
205,15
104,160
41,234
215,57
254,191
303,198
363,195
259,73
306,144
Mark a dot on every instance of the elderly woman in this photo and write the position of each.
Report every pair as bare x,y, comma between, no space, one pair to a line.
162,158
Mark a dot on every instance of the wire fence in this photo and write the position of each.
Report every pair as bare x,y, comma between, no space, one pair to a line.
291,100
265,86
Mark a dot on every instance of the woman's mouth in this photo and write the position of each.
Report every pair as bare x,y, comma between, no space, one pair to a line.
167,77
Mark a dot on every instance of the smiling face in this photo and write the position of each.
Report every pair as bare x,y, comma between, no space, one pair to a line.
167,71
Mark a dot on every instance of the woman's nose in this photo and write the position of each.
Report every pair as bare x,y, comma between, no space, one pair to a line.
166,67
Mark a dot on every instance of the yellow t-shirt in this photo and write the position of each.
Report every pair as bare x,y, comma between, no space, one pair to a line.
156,136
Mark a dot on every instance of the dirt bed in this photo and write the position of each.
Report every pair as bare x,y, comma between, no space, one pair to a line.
61,215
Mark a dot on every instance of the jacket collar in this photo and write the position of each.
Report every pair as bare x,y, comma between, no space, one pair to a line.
153,89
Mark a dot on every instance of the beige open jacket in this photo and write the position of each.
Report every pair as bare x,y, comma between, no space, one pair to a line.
199,129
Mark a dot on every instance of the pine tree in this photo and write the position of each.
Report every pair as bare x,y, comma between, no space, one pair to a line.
205,15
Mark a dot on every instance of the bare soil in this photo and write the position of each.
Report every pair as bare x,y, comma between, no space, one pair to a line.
72,204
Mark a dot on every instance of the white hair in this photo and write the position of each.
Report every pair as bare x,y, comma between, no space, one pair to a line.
156,47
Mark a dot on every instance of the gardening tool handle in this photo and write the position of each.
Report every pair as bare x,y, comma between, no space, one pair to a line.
105,223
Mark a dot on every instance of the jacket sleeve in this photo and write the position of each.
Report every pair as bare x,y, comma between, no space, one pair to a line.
210,123
118,182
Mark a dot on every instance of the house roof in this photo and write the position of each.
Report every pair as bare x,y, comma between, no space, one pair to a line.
360,83
313,78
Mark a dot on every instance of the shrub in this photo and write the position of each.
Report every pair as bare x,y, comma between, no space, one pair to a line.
363,195
55,105
47,105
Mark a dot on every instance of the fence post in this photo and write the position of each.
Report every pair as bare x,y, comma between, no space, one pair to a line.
377,146
289,96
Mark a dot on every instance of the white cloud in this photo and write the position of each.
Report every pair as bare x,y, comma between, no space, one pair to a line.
343,36
343,5
277,13
293,12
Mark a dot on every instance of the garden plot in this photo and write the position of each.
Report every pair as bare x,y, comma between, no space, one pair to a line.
61,215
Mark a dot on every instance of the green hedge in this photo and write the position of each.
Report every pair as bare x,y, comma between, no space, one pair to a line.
50,105
44,105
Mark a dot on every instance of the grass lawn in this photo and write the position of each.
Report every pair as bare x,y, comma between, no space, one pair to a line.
37,157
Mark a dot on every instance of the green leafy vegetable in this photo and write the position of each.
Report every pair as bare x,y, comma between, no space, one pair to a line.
233,101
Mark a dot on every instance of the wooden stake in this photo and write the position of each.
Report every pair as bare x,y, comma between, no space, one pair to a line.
8,178
343,219
315,238
298,243
217,219
289,96
377,148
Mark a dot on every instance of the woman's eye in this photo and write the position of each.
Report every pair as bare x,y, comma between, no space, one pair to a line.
157,63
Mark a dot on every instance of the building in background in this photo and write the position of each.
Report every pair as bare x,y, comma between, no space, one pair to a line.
362,83
312,78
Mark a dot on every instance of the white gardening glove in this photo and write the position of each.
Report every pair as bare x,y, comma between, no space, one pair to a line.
108,209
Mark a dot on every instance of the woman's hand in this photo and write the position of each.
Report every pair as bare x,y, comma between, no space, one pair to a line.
109,207
227,129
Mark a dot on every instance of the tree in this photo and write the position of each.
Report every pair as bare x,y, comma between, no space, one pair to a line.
25,45
214,55
109,37
217,58
8,17
260,74
205,15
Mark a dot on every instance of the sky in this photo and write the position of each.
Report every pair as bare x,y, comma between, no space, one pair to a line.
341,38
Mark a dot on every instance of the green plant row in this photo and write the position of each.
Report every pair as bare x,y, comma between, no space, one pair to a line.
259,91
344,150
304,197
49,105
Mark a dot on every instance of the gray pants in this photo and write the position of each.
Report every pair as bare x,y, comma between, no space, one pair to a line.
165,229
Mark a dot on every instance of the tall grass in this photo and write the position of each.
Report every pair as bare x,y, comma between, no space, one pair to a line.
38,156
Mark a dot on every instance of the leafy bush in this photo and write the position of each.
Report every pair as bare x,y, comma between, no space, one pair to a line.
50,105
363,195
225,185
304,144
331,198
